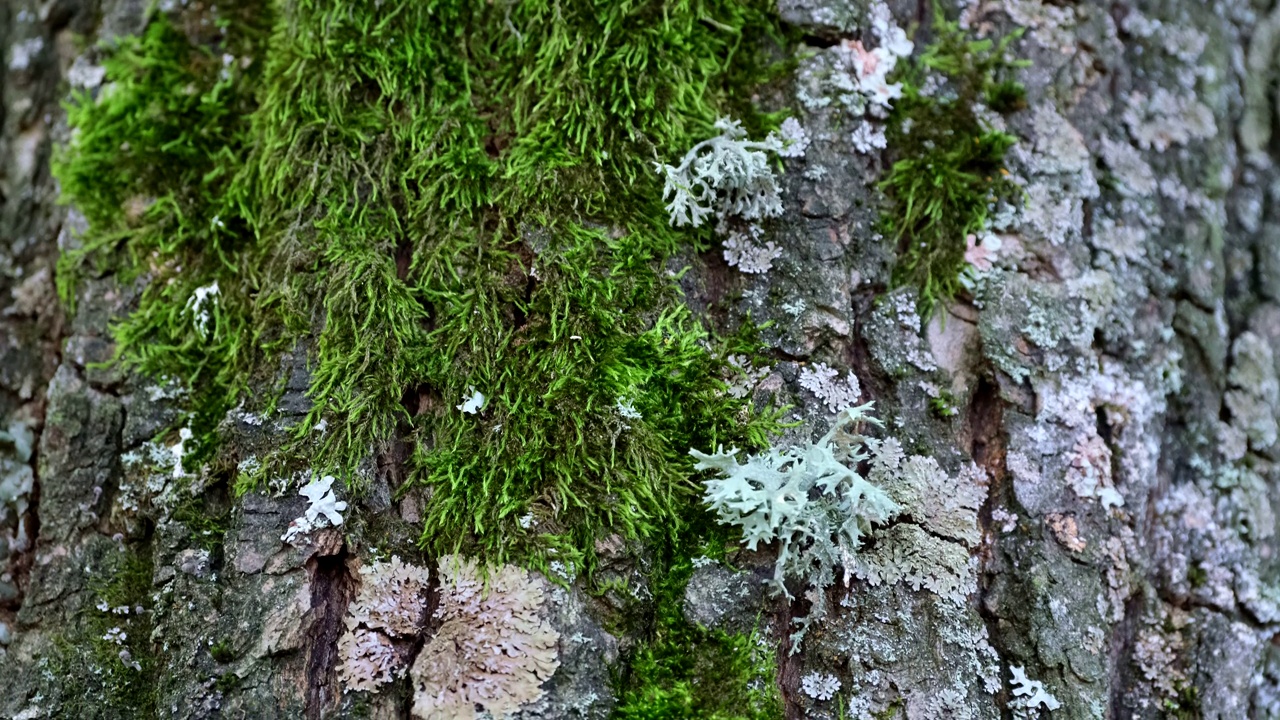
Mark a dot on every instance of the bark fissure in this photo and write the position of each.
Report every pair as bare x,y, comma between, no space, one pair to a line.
332,589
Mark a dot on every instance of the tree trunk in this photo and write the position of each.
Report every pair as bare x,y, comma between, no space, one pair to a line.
1083,521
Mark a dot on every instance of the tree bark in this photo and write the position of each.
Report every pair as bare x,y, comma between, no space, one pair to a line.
1114,378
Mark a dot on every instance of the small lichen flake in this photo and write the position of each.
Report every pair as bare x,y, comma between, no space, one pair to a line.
1029,696
825,382
322,504
820,686
199,306
473,403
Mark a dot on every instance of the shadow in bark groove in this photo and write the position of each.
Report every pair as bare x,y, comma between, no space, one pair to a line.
987,448
332,588
788,664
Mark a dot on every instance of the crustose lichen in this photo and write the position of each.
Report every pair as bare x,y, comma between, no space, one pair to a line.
391,606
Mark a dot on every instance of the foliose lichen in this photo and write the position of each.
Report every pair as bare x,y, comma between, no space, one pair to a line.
389,609
492,651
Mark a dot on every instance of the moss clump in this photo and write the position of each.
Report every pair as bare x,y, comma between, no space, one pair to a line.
948,162
226,682
447,196
222,652
944,405
689,672
1186,705
150,165
207,517
110,635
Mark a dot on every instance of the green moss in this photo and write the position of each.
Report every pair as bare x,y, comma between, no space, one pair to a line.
701,674
1186,705
1197,576
122,580
944,406
446,195
687,671
226,682
150,165
221,652
947,170
208,524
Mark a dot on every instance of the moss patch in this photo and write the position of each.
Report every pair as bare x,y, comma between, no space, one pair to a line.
687,671
947,170
450,197
109,636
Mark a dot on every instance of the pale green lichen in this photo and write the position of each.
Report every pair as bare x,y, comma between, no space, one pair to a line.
817,504
17,479
810,500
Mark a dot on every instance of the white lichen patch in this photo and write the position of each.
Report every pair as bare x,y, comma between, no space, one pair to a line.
1029,696
1125,243
492,651
626,410
1157,651
897,323
825,383
820,686
1134,176
868,138
1254,397
949,702
22,54
200,306
1166,119
1004,520
852,78
745,250
154,475
907,554
84,75
473,402
1089,471
933,551
324,509
391,605
17,480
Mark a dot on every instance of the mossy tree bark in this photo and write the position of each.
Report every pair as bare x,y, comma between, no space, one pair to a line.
1104,367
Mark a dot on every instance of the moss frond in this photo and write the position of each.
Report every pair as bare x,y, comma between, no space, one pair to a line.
948,162
446,195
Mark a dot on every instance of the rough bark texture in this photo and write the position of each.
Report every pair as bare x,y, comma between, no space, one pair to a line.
1131,339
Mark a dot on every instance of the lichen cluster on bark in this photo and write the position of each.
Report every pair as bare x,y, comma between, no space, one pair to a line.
1105,373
